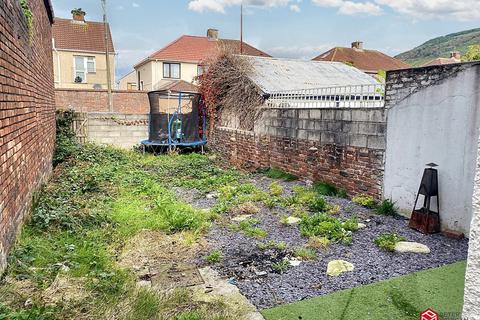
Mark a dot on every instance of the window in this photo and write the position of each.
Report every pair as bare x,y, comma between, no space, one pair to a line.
83,66
201,70
171,70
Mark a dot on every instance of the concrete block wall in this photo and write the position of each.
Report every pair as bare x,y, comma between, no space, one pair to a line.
433,116
27,113
120,130
341,146
89,100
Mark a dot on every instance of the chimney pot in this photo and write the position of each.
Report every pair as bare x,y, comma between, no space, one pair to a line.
212,34
357,45
456,55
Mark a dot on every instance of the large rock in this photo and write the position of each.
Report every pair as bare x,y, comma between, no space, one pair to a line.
337,267
293,220
413,247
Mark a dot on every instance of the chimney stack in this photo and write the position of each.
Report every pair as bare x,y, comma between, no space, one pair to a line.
78,15
456,55
212,34
357,45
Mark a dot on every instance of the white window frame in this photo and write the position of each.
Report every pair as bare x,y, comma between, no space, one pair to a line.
170,70
85,67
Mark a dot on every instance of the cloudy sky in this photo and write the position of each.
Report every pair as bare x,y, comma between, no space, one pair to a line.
283,28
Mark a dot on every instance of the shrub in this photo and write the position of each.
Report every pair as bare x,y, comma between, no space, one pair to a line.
275,189
388,241
214,256
387,208
65,143
365,200
318,242
305,253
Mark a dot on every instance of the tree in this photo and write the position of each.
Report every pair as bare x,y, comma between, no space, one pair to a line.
473,53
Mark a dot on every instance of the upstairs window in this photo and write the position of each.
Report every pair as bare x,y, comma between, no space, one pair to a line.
83,65
201,70
171,70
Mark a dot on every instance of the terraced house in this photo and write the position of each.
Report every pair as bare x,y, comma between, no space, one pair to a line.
79,53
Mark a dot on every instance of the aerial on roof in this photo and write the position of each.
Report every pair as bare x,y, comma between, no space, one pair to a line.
196,49
274,74
366,60
84,36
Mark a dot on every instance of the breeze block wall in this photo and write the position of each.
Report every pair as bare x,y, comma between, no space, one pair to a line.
344,147
27,112
90,100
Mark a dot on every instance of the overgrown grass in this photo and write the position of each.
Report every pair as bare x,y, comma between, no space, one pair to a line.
324,225
328,189
249,228
387,208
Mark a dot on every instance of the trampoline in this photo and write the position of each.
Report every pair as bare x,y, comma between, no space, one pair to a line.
177,120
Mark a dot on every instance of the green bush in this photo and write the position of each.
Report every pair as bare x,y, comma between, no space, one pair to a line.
365,200
388,241
387,208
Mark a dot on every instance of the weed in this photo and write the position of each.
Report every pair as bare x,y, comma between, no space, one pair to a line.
248,227
246,208
272,245
305,253
284,219
333,210
275,173
318,243
365,200
276,189
318,204
323,225
65,143
280,266
387,208
388,241
214,256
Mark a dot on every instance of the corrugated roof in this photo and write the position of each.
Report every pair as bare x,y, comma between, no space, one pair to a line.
366,60
196,49
273,74
87,37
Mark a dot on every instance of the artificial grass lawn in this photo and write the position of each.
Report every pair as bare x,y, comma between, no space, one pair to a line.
440,289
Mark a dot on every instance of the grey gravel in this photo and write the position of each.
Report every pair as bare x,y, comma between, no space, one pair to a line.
243,261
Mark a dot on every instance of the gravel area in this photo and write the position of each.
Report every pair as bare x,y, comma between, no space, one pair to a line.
250,268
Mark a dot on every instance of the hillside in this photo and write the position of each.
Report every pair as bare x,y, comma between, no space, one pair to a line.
441,47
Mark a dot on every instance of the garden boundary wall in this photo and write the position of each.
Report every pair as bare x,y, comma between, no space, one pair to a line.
434,116
342,146
27,113
90,100
115,129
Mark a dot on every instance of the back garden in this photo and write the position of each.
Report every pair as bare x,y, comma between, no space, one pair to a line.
121,235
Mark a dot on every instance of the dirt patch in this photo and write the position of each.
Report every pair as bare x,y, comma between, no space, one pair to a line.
163,261
65,289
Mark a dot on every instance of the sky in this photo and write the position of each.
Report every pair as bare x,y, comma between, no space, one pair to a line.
300,29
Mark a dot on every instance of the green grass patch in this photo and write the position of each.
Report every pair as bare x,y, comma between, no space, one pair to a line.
328,189
400,298
214,256
276,173
249,228
388,241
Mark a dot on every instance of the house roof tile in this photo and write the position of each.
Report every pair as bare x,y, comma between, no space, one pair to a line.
441,61
366,60
79,36
196,49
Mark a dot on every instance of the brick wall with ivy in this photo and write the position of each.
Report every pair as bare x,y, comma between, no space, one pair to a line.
27,110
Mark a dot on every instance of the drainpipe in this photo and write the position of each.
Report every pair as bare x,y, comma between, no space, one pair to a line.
58,63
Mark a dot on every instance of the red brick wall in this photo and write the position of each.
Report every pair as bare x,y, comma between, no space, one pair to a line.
89,100
27,113
358,170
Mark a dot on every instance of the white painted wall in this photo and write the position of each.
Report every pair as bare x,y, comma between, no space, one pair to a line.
471,307
436,124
